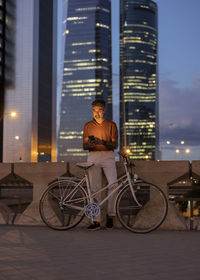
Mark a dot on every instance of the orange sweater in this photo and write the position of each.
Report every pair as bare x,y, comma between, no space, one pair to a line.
106,131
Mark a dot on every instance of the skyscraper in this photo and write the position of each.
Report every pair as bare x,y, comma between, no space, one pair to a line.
31,136
138,76
86,73
7,38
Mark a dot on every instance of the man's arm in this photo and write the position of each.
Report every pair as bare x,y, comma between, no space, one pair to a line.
111,145
87,144
114,136
85,138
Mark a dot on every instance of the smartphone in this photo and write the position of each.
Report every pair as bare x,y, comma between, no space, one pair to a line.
91,137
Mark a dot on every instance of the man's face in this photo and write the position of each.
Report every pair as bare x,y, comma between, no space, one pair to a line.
98,112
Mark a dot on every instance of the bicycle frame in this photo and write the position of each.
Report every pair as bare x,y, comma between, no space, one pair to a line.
123,181
61,200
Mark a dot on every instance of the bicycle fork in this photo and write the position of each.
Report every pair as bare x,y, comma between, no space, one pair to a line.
131,186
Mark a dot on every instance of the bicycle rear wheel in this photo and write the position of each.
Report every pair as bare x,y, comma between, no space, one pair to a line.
151,212
62,205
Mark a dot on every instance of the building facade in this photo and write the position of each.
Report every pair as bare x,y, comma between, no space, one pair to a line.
139,129
31,135
86,72
7,43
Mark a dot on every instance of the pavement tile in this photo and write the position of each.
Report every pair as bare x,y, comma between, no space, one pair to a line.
28,253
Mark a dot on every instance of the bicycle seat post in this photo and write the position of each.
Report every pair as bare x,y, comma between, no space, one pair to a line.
85,166
87,180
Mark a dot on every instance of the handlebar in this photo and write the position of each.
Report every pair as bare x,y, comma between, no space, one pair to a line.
122,154
125,157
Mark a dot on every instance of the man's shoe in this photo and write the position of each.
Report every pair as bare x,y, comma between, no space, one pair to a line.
109,223
94,226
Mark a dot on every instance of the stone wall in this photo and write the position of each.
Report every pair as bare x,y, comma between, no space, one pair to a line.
41,174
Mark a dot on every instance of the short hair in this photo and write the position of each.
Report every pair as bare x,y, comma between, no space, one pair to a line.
99,102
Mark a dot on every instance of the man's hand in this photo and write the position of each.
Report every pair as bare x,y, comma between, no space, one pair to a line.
90,145
96,141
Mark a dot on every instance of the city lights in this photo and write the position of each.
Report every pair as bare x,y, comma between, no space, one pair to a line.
178,148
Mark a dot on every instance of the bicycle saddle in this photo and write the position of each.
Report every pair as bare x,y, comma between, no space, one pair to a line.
85,165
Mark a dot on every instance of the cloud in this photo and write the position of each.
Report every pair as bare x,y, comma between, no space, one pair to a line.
180,111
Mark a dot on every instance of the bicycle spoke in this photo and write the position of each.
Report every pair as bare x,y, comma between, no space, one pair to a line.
129,207
61,206
50,192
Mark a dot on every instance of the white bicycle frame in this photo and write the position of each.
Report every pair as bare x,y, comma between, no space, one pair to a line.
123,181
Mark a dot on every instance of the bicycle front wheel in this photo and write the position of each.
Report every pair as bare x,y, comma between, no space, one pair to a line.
62,205
148,214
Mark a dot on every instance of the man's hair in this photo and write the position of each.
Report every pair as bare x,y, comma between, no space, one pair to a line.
99,102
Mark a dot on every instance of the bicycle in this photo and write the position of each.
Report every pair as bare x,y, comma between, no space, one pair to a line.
141,207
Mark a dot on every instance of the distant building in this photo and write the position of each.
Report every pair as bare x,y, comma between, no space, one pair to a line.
138,77
31,135
86,72
7,41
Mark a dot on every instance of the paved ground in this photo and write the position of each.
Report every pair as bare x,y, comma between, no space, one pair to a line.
41,253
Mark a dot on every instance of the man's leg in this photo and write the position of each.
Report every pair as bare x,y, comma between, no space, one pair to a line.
109,168
95,178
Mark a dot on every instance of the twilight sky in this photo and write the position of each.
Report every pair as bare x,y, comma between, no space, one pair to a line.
179,74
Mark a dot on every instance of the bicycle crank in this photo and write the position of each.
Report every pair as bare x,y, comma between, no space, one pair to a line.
92,210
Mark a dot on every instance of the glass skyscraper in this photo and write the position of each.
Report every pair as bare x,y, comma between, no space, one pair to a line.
86,72
138,76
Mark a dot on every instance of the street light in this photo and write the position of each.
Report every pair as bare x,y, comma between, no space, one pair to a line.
187,151
179,148
127,151
13,114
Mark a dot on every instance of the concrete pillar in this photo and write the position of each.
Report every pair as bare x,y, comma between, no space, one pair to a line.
5,169
40,175
161,173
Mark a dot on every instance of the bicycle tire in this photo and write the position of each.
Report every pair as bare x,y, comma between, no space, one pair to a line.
150,215
53,209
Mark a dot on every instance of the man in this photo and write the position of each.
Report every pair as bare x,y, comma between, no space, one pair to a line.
100,137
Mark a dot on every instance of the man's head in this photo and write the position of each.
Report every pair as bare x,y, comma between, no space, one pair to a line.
98,110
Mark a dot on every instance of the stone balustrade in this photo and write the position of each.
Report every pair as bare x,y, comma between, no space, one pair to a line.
39,175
